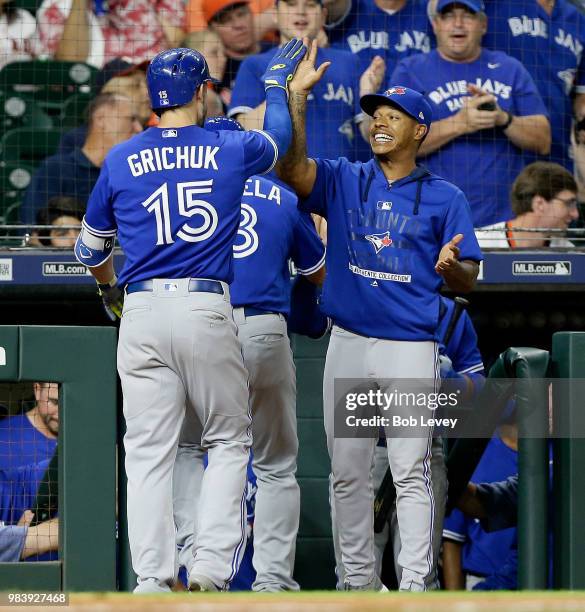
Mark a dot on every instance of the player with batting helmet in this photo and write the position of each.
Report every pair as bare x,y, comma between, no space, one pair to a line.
172,196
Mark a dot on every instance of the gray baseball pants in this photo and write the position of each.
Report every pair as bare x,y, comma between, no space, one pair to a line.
179,351
440,485
351,356
272,380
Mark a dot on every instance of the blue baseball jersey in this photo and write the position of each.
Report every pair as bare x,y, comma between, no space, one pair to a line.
18,489
22,444
332,106
485,553
551,49
272,231
483,164
367,31
462,347
173,198
383,241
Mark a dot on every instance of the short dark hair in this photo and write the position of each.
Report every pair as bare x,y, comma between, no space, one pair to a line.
544,179
58,206
103,99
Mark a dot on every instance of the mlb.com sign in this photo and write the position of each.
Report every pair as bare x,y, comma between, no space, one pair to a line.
56,268
541,268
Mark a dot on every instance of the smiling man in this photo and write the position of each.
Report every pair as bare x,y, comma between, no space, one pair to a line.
486,106
396,232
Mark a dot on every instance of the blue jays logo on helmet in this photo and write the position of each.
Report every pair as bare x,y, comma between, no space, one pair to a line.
216,124
173,77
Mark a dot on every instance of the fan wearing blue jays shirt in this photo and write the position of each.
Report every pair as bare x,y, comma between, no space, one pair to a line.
334,103
470,554
272,231
486,110
172,195
548,38
395,233
390,29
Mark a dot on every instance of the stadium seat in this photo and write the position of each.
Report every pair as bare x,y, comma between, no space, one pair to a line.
73,112
29,146
50,83
17,110
14,179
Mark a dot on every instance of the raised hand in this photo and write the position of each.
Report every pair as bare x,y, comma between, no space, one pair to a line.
307,75
282,67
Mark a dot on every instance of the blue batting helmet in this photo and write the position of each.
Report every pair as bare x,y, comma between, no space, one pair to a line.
173,77
216,124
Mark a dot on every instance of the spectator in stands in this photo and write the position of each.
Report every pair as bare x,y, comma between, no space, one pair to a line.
17,28
548,37
61,213
233,22
71,30
334,105
486,110
263,13
470,555
544,195
391,29
209,43
111,121
31,437
118,76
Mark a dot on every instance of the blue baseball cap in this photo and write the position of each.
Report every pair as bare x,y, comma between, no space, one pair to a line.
476,6
407,100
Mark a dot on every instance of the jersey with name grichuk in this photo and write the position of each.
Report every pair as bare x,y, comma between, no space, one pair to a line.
173,198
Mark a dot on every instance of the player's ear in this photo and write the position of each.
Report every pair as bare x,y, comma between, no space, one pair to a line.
420,132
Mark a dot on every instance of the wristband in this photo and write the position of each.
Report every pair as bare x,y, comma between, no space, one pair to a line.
109,285
509,121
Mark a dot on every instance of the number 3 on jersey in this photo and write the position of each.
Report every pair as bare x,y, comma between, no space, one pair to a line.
188,205
246,230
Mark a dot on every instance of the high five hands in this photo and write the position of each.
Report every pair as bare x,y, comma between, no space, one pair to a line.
307,75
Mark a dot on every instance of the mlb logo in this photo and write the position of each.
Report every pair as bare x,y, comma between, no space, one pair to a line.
398,91
169,133
421,116
171,287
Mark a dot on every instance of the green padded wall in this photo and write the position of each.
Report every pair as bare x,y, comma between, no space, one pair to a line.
315,562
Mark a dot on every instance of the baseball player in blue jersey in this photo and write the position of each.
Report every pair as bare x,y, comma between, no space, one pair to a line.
548,38
395,233
460,360
272,231
486,108
172,196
